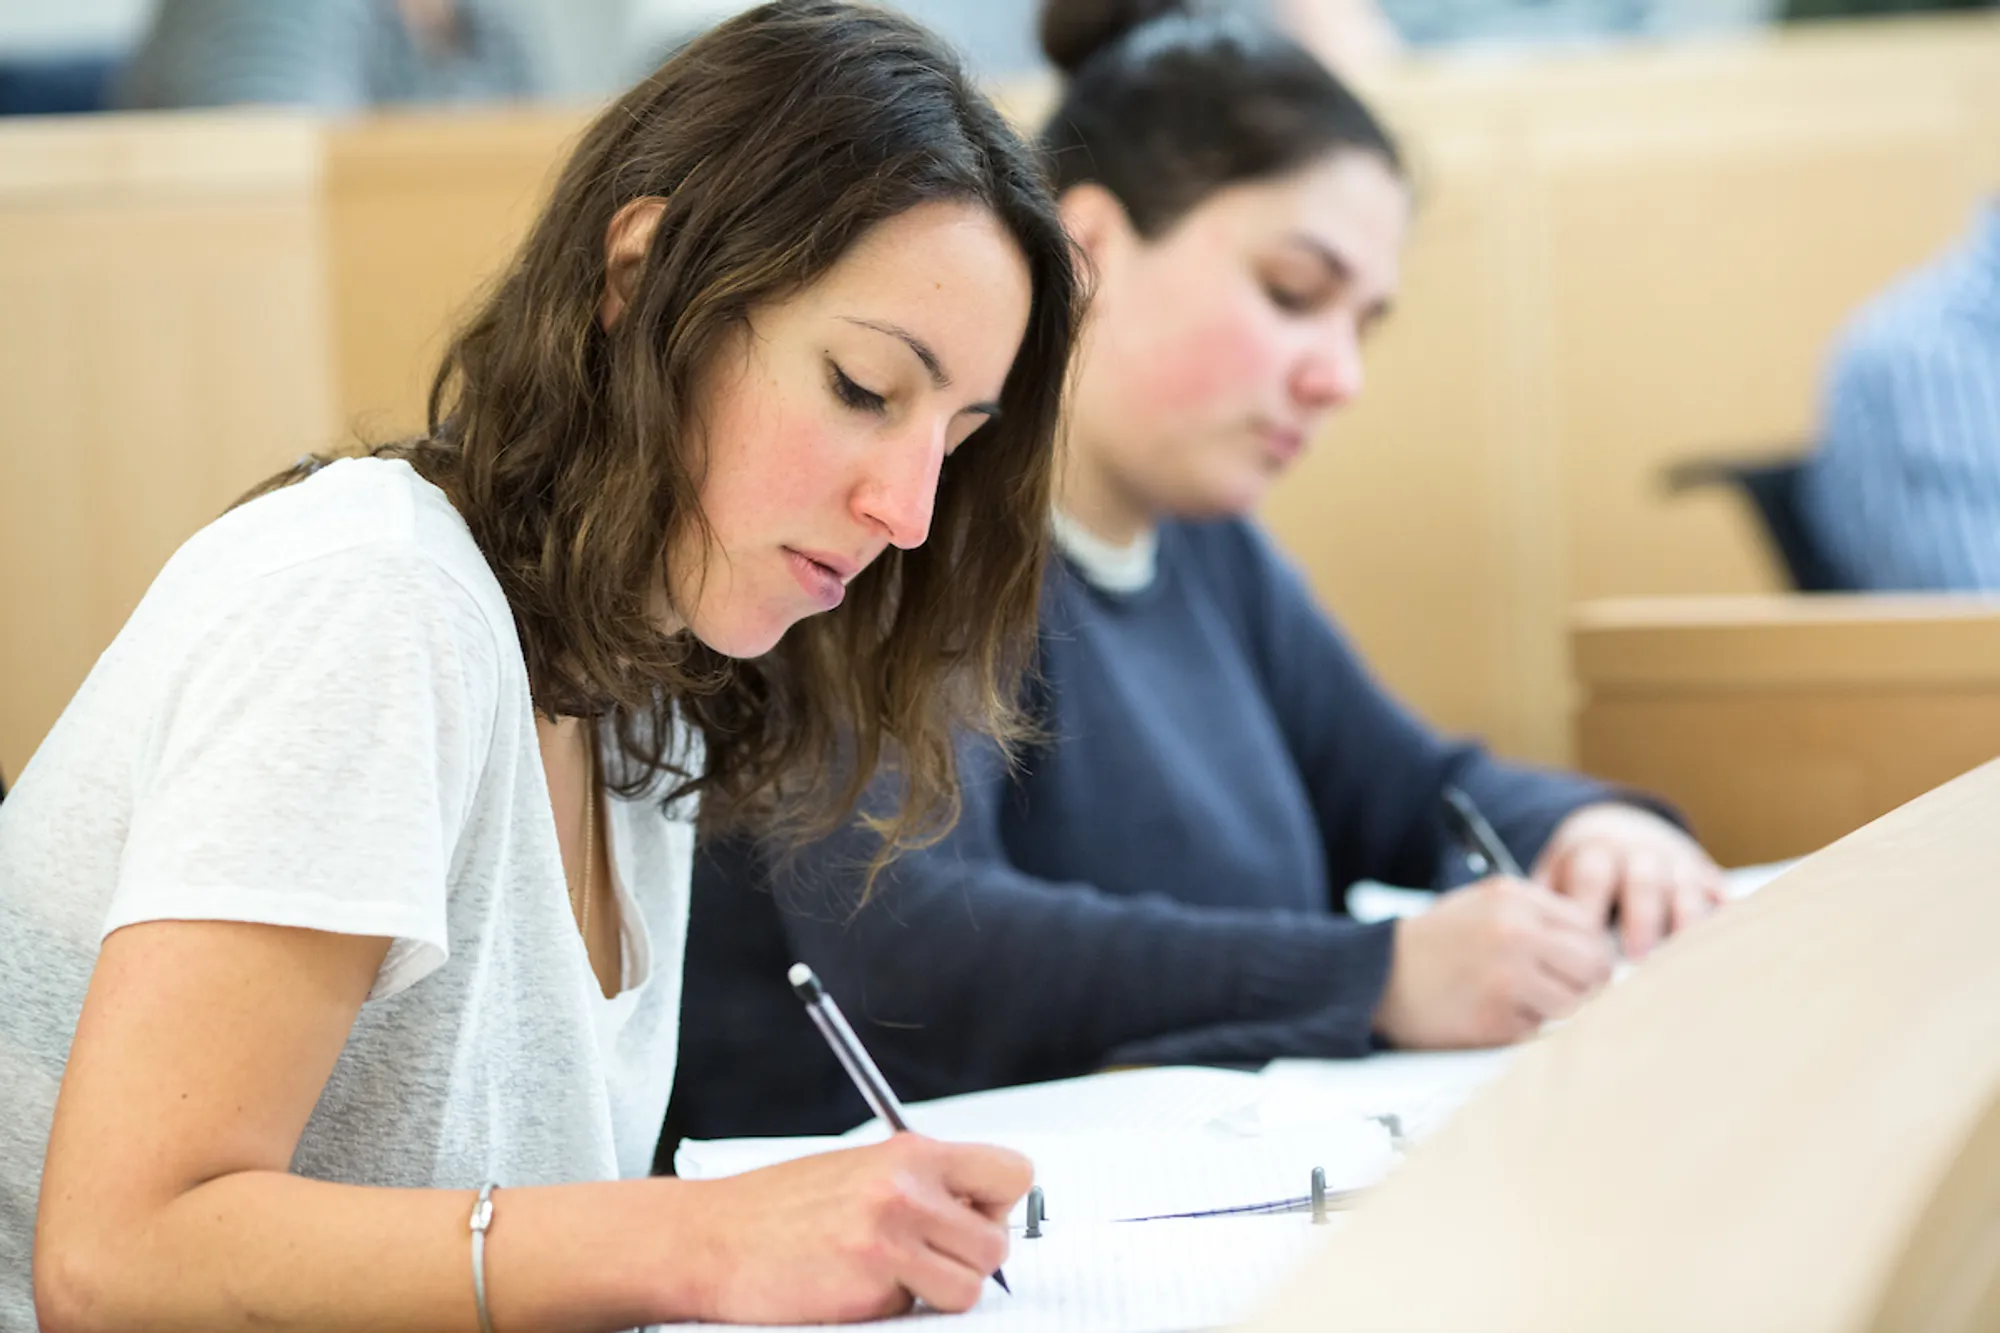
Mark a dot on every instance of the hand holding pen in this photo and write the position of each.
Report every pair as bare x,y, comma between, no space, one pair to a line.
849,1235
1626,866
1484,850
1493,961
860,1067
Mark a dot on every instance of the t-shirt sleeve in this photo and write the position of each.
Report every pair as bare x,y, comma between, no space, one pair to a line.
314,753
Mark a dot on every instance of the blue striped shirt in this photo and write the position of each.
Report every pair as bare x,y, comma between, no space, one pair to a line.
1905,490
337,55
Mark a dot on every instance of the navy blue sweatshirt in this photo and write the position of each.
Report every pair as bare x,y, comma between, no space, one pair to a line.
1162,882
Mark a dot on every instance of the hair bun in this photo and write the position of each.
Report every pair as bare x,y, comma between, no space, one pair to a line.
1074,30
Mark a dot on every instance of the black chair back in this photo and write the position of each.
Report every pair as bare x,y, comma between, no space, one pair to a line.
56,86
1771,485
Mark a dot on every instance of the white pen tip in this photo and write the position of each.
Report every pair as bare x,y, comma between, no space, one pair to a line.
804,984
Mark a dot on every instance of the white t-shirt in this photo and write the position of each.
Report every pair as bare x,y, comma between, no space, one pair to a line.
319,716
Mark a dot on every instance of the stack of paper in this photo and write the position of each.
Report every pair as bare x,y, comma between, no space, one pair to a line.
1122,1159
1154,1143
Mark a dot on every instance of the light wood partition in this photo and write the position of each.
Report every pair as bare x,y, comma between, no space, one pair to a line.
163,343
1778,724
423,212
187,303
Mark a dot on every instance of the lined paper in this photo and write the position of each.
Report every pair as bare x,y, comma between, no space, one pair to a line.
1111,1176
1169,1097
1135,1277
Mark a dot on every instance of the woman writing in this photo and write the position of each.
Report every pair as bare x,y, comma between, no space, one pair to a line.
1160,879
353,881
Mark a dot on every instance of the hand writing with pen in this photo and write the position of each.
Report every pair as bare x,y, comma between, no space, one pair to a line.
1494,961
1624,862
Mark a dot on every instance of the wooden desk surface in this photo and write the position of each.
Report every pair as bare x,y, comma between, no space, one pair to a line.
1643,645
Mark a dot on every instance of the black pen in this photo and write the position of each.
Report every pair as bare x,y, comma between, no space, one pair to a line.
1469,829
854,1058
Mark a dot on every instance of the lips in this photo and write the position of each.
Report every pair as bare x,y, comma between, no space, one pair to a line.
823,580
843,568
1282,446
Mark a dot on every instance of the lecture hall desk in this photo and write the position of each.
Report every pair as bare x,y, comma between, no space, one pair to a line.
1777,724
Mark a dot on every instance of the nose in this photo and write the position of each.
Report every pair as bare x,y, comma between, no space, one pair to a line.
898,490
1330,373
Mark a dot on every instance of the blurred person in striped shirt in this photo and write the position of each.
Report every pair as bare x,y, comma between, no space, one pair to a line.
1904,493
335,55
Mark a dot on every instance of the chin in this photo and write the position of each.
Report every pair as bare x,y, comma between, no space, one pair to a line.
1234,499
750,636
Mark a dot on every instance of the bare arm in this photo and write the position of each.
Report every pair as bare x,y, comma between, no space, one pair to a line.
166,1203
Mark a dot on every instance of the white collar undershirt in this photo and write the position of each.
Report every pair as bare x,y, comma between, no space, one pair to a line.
1107,566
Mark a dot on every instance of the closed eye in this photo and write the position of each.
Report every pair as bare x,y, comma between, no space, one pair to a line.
852,394
1291,302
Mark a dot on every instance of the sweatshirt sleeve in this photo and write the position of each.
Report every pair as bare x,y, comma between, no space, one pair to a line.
1375,772
967,973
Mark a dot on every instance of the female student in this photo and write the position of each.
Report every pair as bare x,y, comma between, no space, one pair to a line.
1159,880
352,883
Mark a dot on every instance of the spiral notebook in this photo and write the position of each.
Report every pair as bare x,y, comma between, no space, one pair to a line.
1161,1190
1149,1144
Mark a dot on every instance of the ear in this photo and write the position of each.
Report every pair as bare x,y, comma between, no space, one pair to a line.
626,242
1098,223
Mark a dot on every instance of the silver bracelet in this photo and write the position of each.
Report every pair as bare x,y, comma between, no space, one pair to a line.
482,1218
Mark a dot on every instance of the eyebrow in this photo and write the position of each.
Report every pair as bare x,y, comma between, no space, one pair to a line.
940,377
1323,252
1336,262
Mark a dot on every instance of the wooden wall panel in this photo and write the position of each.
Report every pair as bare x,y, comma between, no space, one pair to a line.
163,325
424,211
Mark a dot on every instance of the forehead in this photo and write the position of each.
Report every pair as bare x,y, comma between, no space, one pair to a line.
948,274
933,254
1350,203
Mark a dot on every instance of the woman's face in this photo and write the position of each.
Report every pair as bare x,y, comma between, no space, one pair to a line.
1215,351
825,426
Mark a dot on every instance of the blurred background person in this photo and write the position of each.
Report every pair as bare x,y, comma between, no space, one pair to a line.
1904,493
330,54
996,36
1794,10
68,55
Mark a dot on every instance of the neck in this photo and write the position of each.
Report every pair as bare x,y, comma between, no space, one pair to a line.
1094,497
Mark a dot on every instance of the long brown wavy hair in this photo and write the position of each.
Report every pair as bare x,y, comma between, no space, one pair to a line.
776,141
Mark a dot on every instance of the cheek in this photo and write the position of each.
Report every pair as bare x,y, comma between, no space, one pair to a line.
1209,371
766,475
770,480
